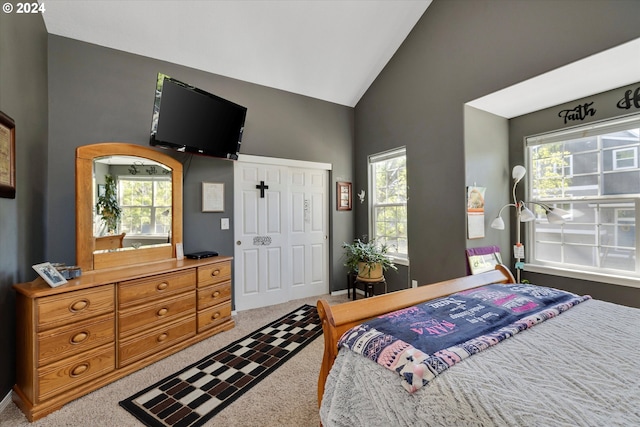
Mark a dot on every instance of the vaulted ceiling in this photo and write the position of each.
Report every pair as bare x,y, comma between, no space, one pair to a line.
326,49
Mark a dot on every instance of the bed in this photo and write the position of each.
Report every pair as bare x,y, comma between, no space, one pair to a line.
580,367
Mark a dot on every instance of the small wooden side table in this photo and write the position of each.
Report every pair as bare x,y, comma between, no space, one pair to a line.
368,286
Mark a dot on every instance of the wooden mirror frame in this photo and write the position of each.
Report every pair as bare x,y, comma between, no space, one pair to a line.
85,256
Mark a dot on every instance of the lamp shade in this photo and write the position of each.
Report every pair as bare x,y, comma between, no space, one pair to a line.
526,215
518,172
559,212
554,218
498,223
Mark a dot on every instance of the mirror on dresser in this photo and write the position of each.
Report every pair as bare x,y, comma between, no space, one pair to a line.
150,224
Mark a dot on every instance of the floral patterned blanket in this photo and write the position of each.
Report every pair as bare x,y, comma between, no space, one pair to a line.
422,341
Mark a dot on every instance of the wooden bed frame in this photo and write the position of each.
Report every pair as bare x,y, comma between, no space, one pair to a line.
341,317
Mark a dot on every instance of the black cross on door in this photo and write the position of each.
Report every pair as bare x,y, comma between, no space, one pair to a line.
262,187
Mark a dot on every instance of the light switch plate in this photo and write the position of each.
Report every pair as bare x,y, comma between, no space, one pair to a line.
224,223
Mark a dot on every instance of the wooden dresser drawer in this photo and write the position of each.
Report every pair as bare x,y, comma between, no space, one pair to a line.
214,316
148,343
74,306
56,344
138,291
213,295
150,315
214,273
71,372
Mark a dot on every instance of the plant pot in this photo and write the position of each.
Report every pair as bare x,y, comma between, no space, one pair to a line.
374,273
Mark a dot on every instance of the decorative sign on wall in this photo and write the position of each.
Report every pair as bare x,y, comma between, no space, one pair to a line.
630,100
578,113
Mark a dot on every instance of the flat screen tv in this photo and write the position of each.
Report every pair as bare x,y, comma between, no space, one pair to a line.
188,119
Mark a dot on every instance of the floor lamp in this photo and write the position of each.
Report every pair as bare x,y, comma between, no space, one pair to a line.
524,214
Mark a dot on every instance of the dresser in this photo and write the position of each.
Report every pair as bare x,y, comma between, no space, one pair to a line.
108,323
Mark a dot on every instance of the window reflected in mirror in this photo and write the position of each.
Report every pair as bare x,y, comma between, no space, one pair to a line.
132,199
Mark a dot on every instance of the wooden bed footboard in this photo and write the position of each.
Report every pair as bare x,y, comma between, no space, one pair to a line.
341,317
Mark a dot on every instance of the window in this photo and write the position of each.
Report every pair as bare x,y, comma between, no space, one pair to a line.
388,201
625,158
146,205
592,171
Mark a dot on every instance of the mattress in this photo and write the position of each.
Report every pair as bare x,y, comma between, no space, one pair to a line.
580,368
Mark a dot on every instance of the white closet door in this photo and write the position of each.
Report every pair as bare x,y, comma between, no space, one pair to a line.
308,232
261,264
281,234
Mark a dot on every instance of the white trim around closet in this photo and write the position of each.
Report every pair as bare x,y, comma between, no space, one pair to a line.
303,164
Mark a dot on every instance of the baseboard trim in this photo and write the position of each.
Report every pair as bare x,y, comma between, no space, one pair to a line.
5,402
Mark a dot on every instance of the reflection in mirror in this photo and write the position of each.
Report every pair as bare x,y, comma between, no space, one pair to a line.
132,202
144,181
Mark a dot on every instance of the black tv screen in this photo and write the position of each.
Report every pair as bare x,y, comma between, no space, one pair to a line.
189,119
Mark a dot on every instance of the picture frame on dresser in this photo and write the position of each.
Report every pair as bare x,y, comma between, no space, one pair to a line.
48,272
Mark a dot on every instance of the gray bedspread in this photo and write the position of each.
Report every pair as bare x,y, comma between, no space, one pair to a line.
579,369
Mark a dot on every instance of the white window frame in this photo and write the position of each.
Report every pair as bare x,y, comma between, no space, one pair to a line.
615,159
398,258
153,207
619,277
567,168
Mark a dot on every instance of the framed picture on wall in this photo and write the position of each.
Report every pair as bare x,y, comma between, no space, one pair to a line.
7,157
343,196
212,197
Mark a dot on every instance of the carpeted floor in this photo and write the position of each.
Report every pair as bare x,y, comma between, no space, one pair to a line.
287,397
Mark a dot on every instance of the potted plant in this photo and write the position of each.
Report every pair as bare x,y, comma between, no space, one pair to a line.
368,259
107,205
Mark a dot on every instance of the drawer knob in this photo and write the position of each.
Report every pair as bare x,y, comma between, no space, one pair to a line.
162,337
162,311
216,294
215,315
162,286
80,369
79,337
79,305
215,273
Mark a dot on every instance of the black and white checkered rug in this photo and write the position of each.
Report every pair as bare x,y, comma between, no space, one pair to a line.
193,395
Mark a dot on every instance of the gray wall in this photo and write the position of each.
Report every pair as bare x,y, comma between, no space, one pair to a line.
457,52
98,94
547,120
486,150
23,96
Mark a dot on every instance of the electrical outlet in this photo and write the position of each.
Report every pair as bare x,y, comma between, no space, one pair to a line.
224,223
414,283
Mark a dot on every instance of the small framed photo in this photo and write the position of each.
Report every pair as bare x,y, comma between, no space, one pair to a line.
343,196
49,273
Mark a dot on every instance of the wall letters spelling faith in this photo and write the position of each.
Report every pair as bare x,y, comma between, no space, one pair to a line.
630,100
580,112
